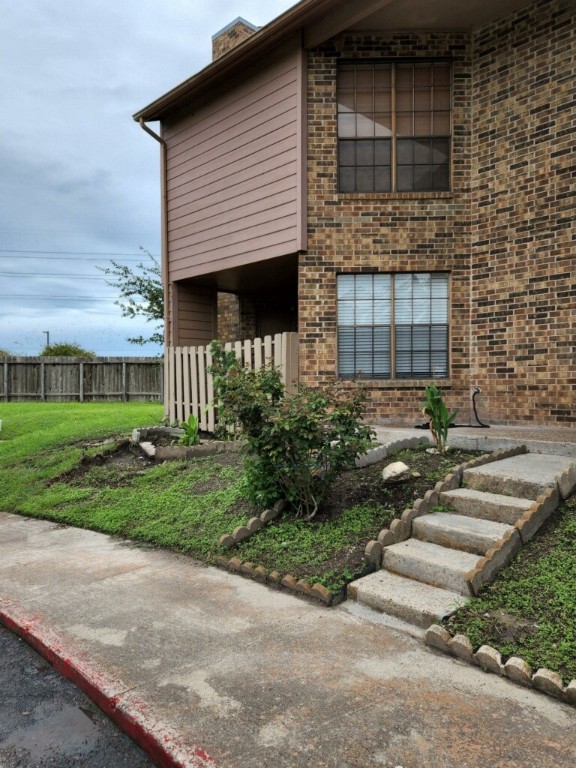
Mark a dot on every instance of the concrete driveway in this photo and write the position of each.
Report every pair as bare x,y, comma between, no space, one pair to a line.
207,668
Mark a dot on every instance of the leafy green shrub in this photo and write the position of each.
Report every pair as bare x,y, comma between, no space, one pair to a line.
66,349
190,427
296,444
435,410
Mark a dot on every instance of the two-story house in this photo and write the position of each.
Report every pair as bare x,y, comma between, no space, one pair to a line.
395,179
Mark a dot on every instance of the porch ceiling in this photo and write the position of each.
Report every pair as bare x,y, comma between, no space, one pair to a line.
439,14
260,279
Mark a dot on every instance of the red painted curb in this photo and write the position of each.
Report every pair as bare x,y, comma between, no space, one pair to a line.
165,746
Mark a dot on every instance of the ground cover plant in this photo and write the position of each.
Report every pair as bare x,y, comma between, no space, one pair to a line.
530,610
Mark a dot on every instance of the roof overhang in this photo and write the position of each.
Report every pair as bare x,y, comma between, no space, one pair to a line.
312,22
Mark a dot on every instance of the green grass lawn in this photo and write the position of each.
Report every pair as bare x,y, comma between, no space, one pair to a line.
161,506
182,505
529,611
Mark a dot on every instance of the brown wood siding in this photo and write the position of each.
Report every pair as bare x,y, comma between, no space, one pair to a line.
234,175
196,316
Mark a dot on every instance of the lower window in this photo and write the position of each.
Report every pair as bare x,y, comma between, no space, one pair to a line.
393,325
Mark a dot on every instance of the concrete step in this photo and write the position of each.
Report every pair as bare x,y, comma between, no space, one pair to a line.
430,563
524,476
468,534
409,600
486,506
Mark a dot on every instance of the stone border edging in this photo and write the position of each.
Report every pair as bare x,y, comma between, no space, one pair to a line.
173,452
524,529
382,451
490,660
243,532
401,528
274,578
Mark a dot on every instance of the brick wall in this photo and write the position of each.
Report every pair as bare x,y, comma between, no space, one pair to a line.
237,318
390,232
228,317
523,250
230,37
505,233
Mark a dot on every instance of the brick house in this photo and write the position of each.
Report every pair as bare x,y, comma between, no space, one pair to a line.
396,181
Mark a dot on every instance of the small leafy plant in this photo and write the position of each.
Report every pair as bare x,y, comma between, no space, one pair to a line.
190,427
440,419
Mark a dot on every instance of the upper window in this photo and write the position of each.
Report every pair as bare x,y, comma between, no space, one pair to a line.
394,126
393,325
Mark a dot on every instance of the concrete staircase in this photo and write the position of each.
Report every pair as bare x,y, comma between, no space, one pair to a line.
477,531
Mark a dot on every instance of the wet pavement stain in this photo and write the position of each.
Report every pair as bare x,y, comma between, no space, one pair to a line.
68,731
46,722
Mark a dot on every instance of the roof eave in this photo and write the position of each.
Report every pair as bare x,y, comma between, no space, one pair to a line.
243,54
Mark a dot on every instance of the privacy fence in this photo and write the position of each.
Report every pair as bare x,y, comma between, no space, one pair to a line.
61,379
188,385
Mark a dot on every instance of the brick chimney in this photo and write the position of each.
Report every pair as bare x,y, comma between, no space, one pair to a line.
229,37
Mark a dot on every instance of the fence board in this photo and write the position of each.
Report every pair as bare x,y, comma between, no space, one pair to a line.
211,411
202,388
190,388
62,379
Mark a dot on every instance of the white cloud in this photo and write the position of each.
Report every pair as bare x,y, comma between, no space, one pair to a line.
78,175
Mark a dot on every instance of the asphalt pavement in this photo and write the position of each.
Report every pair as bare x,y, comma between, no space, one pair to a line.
46,722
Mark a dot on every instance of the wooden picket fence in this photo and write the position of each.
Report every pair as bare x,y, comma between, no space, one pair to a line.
188,386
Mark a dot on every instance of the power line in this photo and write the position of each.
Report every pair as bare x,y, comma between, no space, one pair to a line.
60,274
72,253
60,298
63,258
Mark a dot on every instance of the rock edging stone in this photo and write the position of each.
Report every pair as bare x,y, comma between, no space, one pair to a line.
401,528
274,578
243,532
490,660
140,437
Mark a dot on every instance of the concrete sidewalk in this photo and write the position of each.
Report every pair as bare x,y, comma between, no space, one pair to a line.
205,668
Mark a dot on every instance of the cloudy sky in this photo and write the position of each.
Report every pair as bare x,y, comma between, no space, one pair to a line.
79,179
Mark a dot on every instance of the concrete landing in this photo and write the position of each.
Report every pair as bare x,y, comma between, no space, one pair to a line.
537,439
525,476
